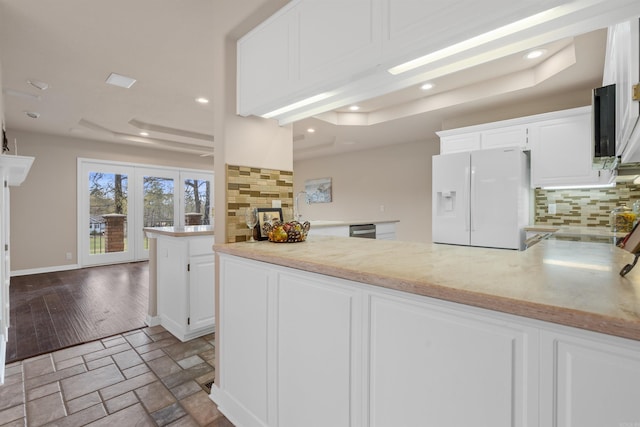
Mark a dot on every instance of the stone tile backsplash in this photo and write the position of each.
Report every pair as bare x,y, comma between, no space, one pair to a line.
255,187
583,207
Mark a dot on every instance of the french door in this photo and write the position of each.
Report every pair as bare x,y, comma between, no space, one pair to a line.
117,200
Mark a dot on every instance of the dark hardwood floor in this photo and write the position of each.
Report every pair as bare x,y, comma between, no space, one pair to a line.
51,311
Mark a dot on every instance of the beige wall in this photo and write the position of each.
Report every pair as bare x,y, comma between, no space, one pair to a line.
44,208
397,176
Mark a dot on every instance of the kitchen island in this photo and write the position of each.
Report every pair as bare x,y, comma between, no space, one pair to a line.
181,279
400,333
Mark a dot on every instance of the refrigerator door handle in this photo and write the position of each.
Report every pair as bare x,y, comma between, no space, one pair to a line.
467,198
472,197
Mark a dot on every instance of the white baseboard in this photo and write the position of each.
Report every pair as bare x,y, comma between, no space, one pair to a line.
152,320
44,270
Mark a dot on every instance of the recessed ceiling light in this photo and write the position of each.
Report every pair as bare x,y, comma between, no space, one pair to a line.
535,54
38,84
311,130
354,108
144,133
32,114
202,100
120,80
427,86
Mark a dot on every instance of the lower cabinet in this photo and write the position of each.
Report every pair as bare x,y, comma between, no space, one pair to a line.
589,382
186,287
304,349
431,366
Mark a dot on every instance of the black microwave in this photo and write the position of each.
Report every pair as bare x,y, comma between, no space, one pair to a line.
604,121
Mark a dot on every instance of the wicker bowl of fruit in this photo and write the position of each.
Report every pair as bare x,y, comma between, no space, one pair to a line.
286,232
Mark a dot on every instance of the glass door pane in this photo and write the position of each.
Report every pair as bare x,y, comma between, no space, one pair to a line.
158,205
106,235
197,196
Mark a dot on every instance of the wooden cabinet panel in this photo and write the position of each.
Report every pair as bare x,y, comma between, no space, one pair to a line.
561,152
460,143
588,383
266,63
337,38
622,67
186,285
426,365
315,315
512,136
244,330
201,292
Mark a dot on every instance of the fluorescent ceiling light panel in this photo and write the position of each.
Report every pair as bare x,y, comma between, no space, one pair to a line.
303,103
487,37
120,80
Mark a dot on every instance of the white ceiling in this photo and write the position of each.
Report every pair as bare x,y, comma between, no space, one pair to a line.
73,46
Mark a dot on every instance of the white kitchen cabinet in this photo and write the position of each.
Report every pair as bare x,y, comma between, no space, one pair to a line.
622,67
266,69
486,136
186,298
336,230
315,314
510,136
386,231
344,49
293,341
246,318
561,151
589,381
459,143
427,362
337,39
293,344
13,172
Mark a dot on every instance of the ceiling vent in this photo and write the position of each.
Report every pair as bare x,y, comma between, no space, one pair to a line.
120,80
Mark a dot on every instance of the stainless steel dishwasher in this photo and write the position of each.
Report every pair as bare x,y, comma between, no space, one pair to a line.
368,231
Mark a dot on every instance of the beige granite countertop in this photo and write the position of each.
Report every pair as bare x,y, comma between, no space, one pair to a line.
570,283
185,231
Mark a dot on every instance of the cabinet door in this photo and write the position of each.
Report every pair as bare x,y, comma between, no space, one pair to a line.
266,64
172,285
318,353
459,143
513,136
587,383
244,355
201,292
622,68
433,367
337,39
561,152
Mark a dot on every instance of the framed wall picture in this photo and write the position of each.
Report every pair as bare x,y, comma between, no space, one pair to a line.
267,215
318,190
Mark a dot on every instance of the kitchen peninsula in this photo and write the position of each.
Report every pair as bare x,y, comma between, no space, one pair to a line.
400,333
181,285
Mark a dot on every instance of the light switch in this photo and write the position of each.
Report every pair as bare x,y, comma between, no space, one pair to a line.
276,203
552,208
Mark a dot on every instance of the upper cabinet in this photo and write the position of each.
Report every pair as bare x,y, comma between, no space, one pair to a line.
336,39
561,151
559,142
265,61
622,67
313,56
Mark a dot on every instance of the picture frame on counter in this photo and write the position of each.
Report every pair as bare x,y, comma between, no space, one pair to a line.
267,215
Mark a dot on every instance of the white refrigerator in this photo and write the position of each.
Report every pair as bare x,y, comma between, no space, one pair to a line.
481,198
